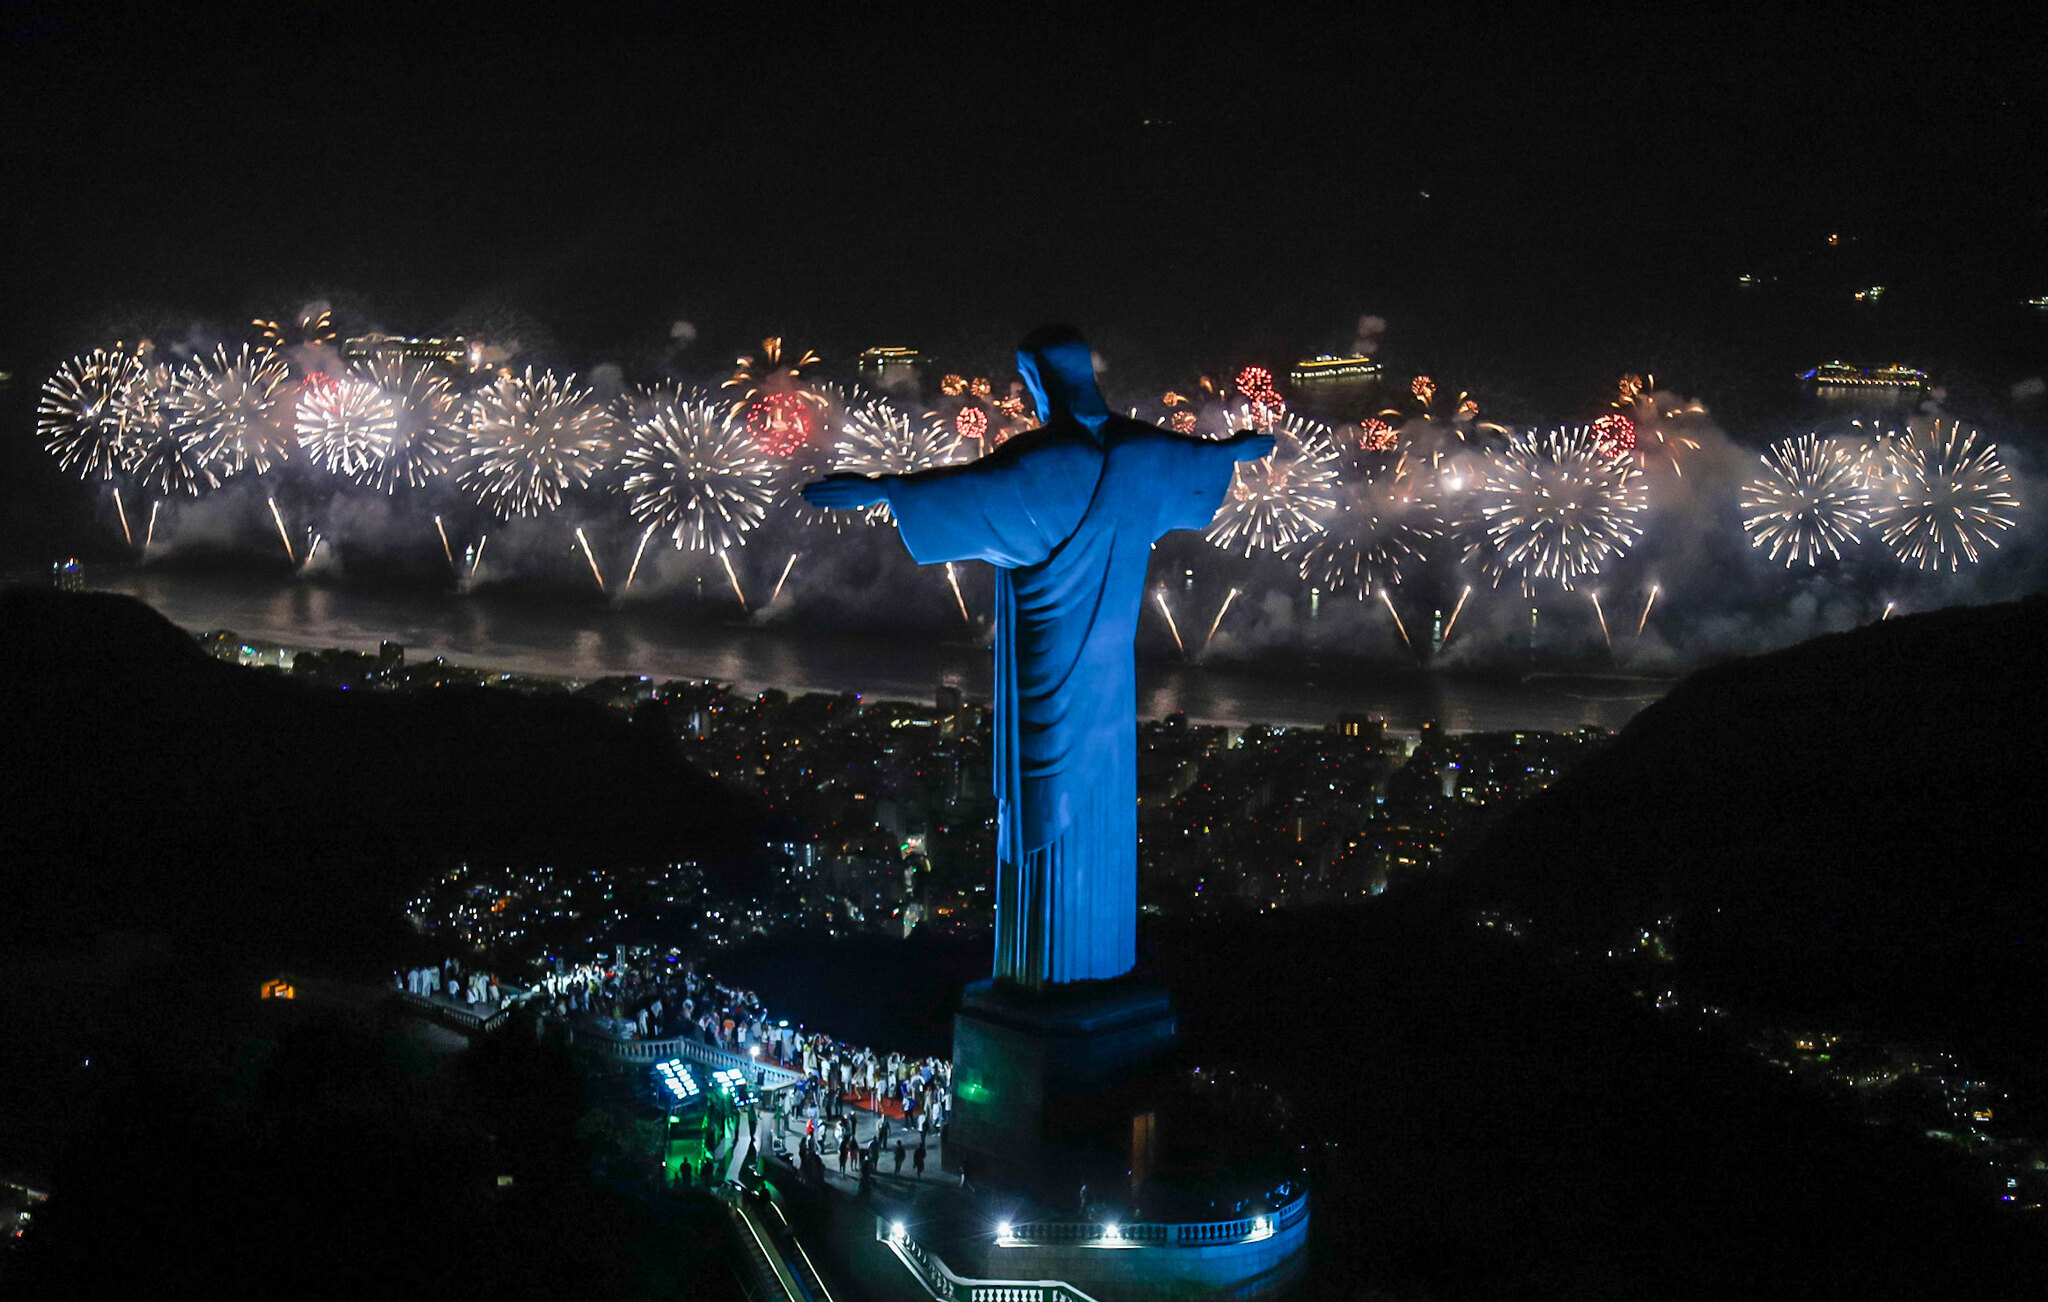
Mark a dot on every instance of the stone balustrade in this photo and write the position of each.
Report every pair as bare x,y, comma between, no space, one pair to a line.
648,1052
1162,1234
940,1281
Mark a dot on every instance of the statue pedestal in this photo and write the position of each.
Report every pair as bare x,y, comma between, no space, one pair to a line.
1046,1086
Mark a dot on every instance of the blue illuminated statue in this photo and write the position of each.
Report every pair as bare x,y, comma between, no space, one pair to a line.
1067,514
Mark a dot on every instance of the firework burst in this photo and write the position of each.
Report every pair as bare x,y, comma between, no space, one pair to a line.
232,409
1256,384
530,437
783,424
346,425
880,438
1554,506
314,324
1809,503
164,462
80,413
1381,523
767,368
1950,502
1282,499
695,472
424,436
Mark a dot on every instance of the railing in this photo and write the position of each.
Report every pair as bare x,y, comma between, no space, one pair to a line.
456,1015
939,1280
771,1074
1162,1234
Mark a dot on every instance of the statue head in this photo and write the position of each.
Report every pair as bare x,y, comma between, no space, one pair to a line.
1059,368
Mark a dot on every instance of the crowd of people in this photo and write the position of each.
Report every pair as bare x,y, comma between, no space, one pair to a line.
450,982
657,997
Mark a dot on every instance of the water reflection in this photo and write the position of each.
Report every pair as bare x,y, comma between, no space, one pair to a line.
676,642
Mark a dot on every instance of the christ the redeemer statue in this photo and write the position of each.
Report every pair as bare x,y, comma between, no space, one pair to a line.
1067,513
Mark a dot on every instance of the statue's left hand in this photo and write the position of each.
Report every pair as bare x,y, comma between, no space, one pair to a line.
1250,445
845,492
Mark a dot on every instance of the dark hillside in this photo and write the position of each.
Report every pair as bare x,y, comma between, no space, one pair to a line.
1848,829
152,788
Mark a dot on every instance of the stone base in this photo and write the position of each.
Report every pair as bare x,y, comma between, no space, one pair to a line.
1043,1085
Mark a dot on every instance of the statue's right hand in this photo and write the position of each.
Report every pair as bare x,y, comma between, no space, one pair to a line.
845,493
1250,445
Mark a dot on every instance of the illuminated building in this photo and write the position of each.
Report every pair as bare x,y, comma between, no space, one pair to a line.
1839,374
888,363
1322,367
455,350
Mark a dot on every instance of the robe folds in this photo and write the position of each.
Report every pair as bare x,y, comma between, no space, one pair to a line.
1068,518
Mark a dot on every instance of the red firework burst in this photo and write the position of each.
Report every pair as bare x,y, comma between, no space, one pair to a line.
971,423
781,423
1256,384
1615,433
1375,435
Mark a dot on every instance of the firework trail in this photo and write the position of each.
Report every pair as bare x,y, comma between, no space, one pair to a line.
1809,502
725,559
1388,602
1951,501
1217,622
1604,635
1382,523
1281,499
530,437
693,471
1555,506
590,556
312,550
788,565
1648,602
954,580
80,416
639,551
149,535
1462,597
1159,595
281,531
478,558
122,511
425,434
1889,606
346,425
231,409
446,550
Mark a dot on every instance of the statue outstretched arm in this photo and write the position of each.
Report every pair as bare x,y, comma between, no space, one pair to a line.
1197,473
1010,508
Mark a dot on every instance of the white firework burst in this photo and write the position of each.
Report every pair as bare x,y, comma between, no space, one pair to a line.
79,414
695,472
346,425
425,435
233,409
1809,503
1279,500
530,437
1949,502
1554,506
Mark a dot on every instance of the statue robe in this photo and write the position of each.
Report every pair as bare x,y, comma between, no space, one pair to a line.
1068,518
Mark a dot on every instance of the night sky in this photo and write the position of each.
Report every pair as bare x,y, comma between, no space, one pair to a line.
1531,195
